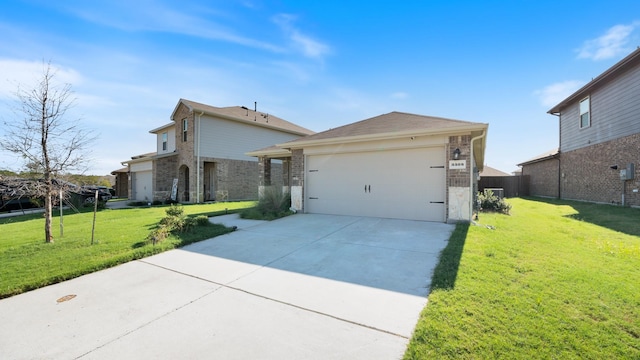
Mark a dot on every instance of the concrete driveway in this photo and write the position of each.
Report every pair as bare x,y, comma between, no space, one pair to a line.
303,287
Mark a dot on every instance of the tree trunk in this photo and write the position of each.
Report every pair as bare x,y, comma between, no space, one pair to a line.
48,210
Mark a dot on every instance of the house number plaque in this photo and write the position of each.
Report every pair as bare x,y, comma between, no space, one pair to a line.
457,164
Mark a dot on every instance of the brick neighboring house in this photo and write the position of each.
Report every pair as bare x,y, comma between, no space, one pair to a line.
202,150
543,172
599,137
121,186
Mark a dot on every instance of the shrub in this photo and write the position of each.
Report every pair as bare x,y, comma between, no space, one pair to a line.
274,201
488,201
175,222
272,205
158,234
175,211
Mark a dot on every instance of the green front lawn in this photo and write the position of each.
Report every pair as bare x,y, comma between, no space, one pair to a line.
555,280
27,262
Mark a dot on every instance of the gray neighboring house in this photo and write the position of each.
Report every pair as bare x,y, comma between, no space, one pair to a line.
599,154
395,165
200,154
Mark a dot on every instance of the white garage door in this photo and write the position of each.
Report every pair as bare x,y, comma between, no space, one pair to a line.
142,186
400,184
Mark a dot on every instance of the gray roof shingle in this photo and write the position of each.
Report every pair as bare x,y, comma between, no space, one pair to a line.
244,114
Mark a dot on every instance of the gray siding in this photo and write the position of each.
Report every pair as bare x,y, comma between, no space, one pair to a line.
615,113
228,139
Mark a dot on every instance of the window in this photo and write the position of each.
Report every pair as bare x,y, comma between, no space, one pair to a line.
165,138
585,113
184,129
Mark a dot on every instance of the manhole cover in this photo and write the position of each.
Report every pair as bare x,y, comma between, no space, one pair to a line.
65,298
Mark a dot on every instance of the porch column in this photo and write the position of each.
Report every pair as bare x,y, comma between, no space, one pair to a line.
264,163
286,171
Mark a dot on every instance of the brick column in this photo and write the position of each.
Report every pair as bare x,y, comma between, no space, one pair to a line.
459,194
286,164
264,164
297,179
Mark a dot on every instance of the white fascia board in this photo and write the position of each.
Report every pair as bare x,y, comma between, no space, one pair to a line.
451,131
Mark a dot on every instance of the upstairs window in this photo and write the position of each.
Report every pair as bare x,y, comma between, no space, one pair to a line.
184,129
165,138
585,113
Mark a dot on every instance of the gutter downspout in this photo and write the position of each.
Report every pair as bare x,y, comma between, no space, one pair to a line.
198,161
471,161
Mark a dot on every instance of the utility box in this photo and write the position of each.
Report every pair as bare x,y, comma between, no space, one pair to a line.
628,173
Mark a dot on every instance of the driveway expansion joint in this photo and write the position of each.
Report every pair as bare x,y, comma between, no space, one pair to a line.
227,286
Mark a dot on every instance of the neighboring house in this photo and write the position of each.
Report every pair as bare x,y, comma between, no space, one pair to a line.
599,140
200,154
543,173
492,172
395,165
121,186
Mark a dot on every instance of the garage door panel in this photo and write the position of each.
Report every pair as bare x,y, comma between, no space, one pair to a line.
406,184
142,190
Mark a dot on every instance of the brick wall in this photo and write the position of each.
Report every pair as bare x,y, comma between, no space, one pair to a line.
240,179
543,178
297,167
186,154
586,173
165,170
122,185
457,178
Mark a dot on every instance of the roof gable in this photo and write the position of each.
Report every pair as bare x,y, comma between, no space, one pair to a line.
389,124
488,171
244,115
551,154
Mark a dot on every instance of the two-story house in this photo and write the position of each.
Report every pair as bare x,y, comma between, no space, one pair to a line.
599,150
200,154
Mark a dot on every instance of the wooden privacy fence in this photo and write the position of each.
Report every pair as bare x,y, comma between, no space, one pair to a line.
513,186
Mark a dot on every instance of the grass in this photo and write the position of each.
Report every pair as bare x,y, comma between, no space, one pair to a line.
555,280
29,263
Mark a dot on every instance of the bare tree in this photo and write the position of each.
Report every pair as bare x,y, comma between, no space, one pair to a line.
44,138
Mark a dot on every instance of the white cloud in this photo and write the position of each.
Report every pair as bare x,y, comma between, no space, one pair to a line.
551,95
308,46
612,44
26,74
157,17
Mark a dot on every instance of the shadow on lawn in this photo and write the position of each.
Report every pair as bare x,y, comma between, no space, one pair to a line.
613,217
446,272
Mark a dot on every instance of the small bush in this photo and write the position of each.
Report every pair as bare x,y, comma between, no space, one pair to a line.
158,234
488,201
156,202
175,222
273,204
201,220
175,211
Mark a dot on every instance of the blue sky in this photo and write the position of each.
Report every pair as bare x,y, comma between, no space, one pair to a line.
320,64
